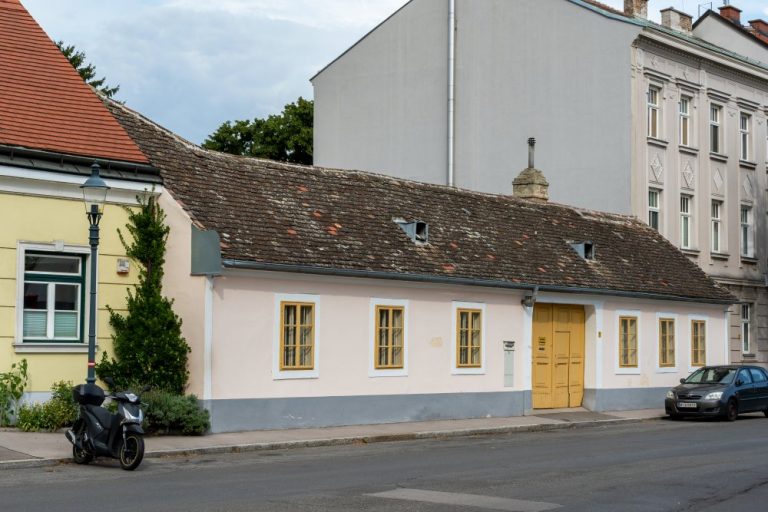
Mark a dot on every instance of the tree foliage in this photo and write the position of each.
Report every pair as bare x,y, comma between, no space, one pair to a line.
87,70
147,341
286,137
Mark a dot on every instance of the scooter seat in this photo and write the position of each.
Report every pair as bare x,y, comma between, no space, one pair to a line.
103,415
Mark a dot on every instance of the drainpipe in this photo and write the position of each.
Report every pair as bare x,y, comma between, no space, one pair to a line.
451,88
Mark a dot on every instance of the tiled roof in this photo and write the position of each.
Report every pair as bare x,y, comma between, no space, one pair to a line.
296,216
44,104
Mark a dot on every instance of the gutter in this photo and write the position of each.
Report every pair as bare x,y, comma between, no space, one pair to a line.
42,160
461,281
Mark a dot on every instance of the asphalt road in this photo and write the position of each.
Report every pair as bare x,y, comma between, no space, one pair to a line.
653,466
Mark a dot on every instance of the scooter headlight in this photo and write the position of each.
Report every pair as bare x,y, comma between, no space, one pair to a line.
129,416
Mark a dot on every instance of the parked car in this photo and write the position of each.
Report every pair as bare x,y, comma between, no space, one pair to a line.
719,391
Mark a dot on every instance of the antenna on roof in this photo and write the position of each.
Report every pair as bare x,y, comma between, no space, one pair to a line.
710,6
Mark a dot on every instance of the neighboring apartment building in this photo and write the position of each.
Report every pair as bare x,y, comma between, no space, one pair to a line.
52,128
632,117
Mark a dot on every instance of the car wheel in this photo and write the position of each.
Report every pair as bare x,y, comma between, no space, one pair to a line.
731,410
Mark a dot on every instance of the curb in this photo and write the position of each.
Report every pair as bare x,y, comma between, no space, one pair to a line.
342,441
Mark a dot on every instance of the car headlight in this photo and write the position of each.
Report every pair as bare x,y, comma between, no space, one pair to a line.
715,395
671,394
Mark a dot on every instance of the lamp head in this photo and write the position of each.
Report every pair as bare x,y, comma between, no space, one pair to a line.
94,191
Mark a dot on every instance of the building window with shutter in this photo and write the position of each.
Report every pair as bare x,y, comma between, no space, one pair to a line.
53,297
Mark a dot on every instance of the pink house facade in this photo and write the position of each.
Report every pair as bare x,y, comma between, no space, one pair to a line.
315,297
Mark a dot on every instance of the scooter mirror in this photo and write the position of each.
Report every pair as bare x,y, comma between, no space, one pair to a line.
109,381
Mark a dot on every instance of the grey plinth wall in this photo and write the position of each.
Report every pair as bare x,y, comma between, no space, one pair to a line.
279,413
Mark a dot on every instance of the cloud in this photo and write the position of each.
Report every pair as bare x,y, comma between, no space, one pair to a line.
311,13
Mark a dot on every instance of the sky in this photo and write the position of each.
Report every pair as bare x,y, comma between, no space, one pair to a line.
190,65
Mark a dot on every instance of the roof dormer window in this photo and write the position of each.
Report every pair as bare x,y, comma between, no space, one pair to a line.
584,249
417,230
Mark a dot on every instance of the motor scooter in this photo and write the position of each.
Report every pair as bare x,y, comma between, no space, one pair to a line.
99,433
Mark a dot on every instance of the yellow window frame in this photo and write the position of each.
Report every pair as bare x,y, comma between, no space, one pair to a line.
474,325
698,343
627,346
393,345
666,343
302,331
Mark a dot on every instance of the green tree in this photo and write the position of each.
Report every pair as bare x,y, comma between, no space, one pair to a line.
147,341
286,137
87,71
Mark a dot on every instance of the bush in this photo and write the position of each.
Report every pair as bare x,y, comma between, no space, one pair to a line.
167,413
12,386
60,411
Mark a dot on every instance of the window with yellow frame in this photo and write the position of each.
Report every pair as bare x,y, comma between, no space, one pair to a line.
666,342
469,338
297,336
698,343
389,337
628,342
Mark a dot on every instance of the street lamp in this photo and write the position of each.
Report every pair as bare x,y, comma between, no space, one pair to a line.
94,195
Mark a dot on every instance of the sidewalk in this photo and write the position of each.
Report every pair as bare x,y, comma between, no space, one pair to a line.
20,449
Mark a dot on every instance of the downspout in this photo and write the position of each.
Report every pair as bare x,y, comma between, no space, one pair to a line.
451,88
208,341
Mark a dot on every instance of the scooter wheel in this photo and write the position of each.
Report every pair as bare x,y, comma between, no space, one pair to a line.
81,456
131,451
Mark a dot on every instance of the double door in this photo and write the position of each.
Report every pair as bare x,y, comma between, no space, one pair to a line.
558,356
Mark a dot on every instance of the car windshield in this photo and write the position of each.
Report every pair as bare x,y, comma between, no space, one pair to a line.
711,376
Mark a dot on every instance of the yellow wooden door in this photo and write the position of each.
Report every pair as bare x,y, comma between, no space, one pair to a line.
558,356
576,363
542,356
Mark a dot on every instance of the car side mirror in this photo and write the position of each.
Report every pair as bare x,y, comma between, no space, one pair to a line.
738,382
682,381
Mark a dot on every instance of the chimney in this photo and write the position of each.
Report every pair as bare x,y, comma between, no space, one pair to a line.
636,8
759,29
677,20
731,13
531,184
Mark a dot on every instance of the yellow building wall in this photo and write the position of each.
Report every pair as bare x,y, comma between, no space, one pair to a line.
47,220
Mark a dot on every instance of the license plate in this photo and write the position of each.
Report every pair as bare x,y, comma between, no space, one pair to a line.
686,405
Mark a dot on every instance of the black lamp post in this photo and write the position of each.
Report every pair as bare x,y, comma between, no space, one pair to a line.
94,195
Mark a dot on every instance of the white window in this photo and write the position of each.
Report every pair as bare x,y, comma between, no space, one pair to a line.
715,132
654,211
686,221
746,313
717,225
747,240
53,297
685,120
745,122
653,111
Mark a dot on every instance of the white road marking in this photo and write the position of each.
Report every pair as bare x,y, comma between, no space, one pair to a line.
467,500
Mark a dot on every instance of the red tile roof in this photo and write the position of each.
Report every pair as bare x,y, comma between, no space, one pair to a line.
44,104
